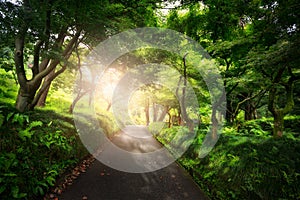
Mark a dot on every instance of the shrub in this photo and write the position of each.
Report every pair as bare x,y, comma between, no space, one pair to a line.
245,165
34,152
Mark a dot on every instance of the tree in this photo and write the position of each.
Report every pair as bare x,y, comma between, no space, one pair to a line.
252,41
54,29
275,56
278,67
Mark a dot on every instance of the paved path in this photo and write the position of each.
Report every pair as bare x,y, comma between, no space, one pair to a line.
104,183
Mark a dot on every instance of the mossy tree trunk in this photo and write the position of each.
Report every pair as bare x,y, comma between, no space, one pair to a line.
277,112
278,123
30,91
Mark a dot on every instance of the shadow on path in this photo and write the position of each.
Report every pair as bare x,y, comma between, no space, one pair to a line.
101,182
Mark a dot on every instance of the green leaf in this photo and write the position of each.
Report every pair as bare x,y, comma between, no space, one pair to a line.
10,174
2,188
35,124
26,134
39,190
50,180
9,116
1,119
50,123
16,194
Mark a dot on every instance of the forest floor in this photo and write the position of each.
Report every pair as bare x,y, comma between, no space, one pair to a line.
102,182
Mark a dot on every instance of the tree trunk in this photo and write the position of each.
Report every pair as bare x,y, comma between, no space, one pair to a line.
29,92
147,112
155,112
24,100
170,120
42,100
250,111
163,114
229,113
78,97
108,106
179,119
279,113
185,116
278,124
215,124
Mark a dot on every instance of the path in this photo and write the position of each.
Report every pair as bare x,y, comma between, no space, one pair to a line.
104,183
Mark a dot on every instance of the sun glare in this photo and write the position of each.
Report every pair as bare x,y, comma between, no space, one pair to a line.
108,83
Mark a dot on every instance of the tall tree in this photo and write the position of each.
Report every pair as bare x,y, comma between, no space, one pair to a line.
54,28
275,56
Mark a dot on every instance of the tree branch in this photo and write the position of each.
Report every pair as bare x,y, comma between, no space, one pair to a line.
246,99
36,58
43,40
54,63
19,45
47,84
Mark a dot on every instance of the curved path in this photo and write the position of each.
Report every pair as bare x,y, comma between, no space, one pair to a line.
101,182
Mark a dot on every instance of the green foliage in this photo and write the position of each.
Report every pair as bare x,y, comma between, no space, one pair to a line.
171,134
256,127
263,126
291,124
34,151
8,86
249,164
6,59
107,123
156,127
252,168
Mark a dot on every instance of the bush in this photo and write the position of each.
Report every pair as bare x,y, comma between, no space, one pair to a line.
264,126
291,123
245,165
258,127
107,123
155,127
240,167
35,150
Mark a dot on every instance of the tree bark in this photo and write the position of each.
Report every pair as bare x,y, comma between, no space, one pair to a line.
163,114
78,97
29,92
170,120
42,100
155,112
73,44
185,116
108,106
279,113
147,112
215,124
278,123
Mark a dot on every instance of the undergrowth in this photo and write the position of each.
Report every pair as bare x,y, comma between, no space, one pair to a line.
249,164
35,148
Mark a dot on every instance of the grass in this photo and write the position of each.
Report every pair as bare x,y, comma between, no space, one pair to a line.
38,147
35,147
245,165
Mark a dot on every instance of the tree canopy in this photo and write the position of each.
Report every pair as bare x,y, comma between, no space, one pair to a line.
247,49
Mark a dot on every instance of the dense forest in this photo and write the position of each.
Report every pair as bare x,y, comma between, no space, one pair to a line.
225,72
